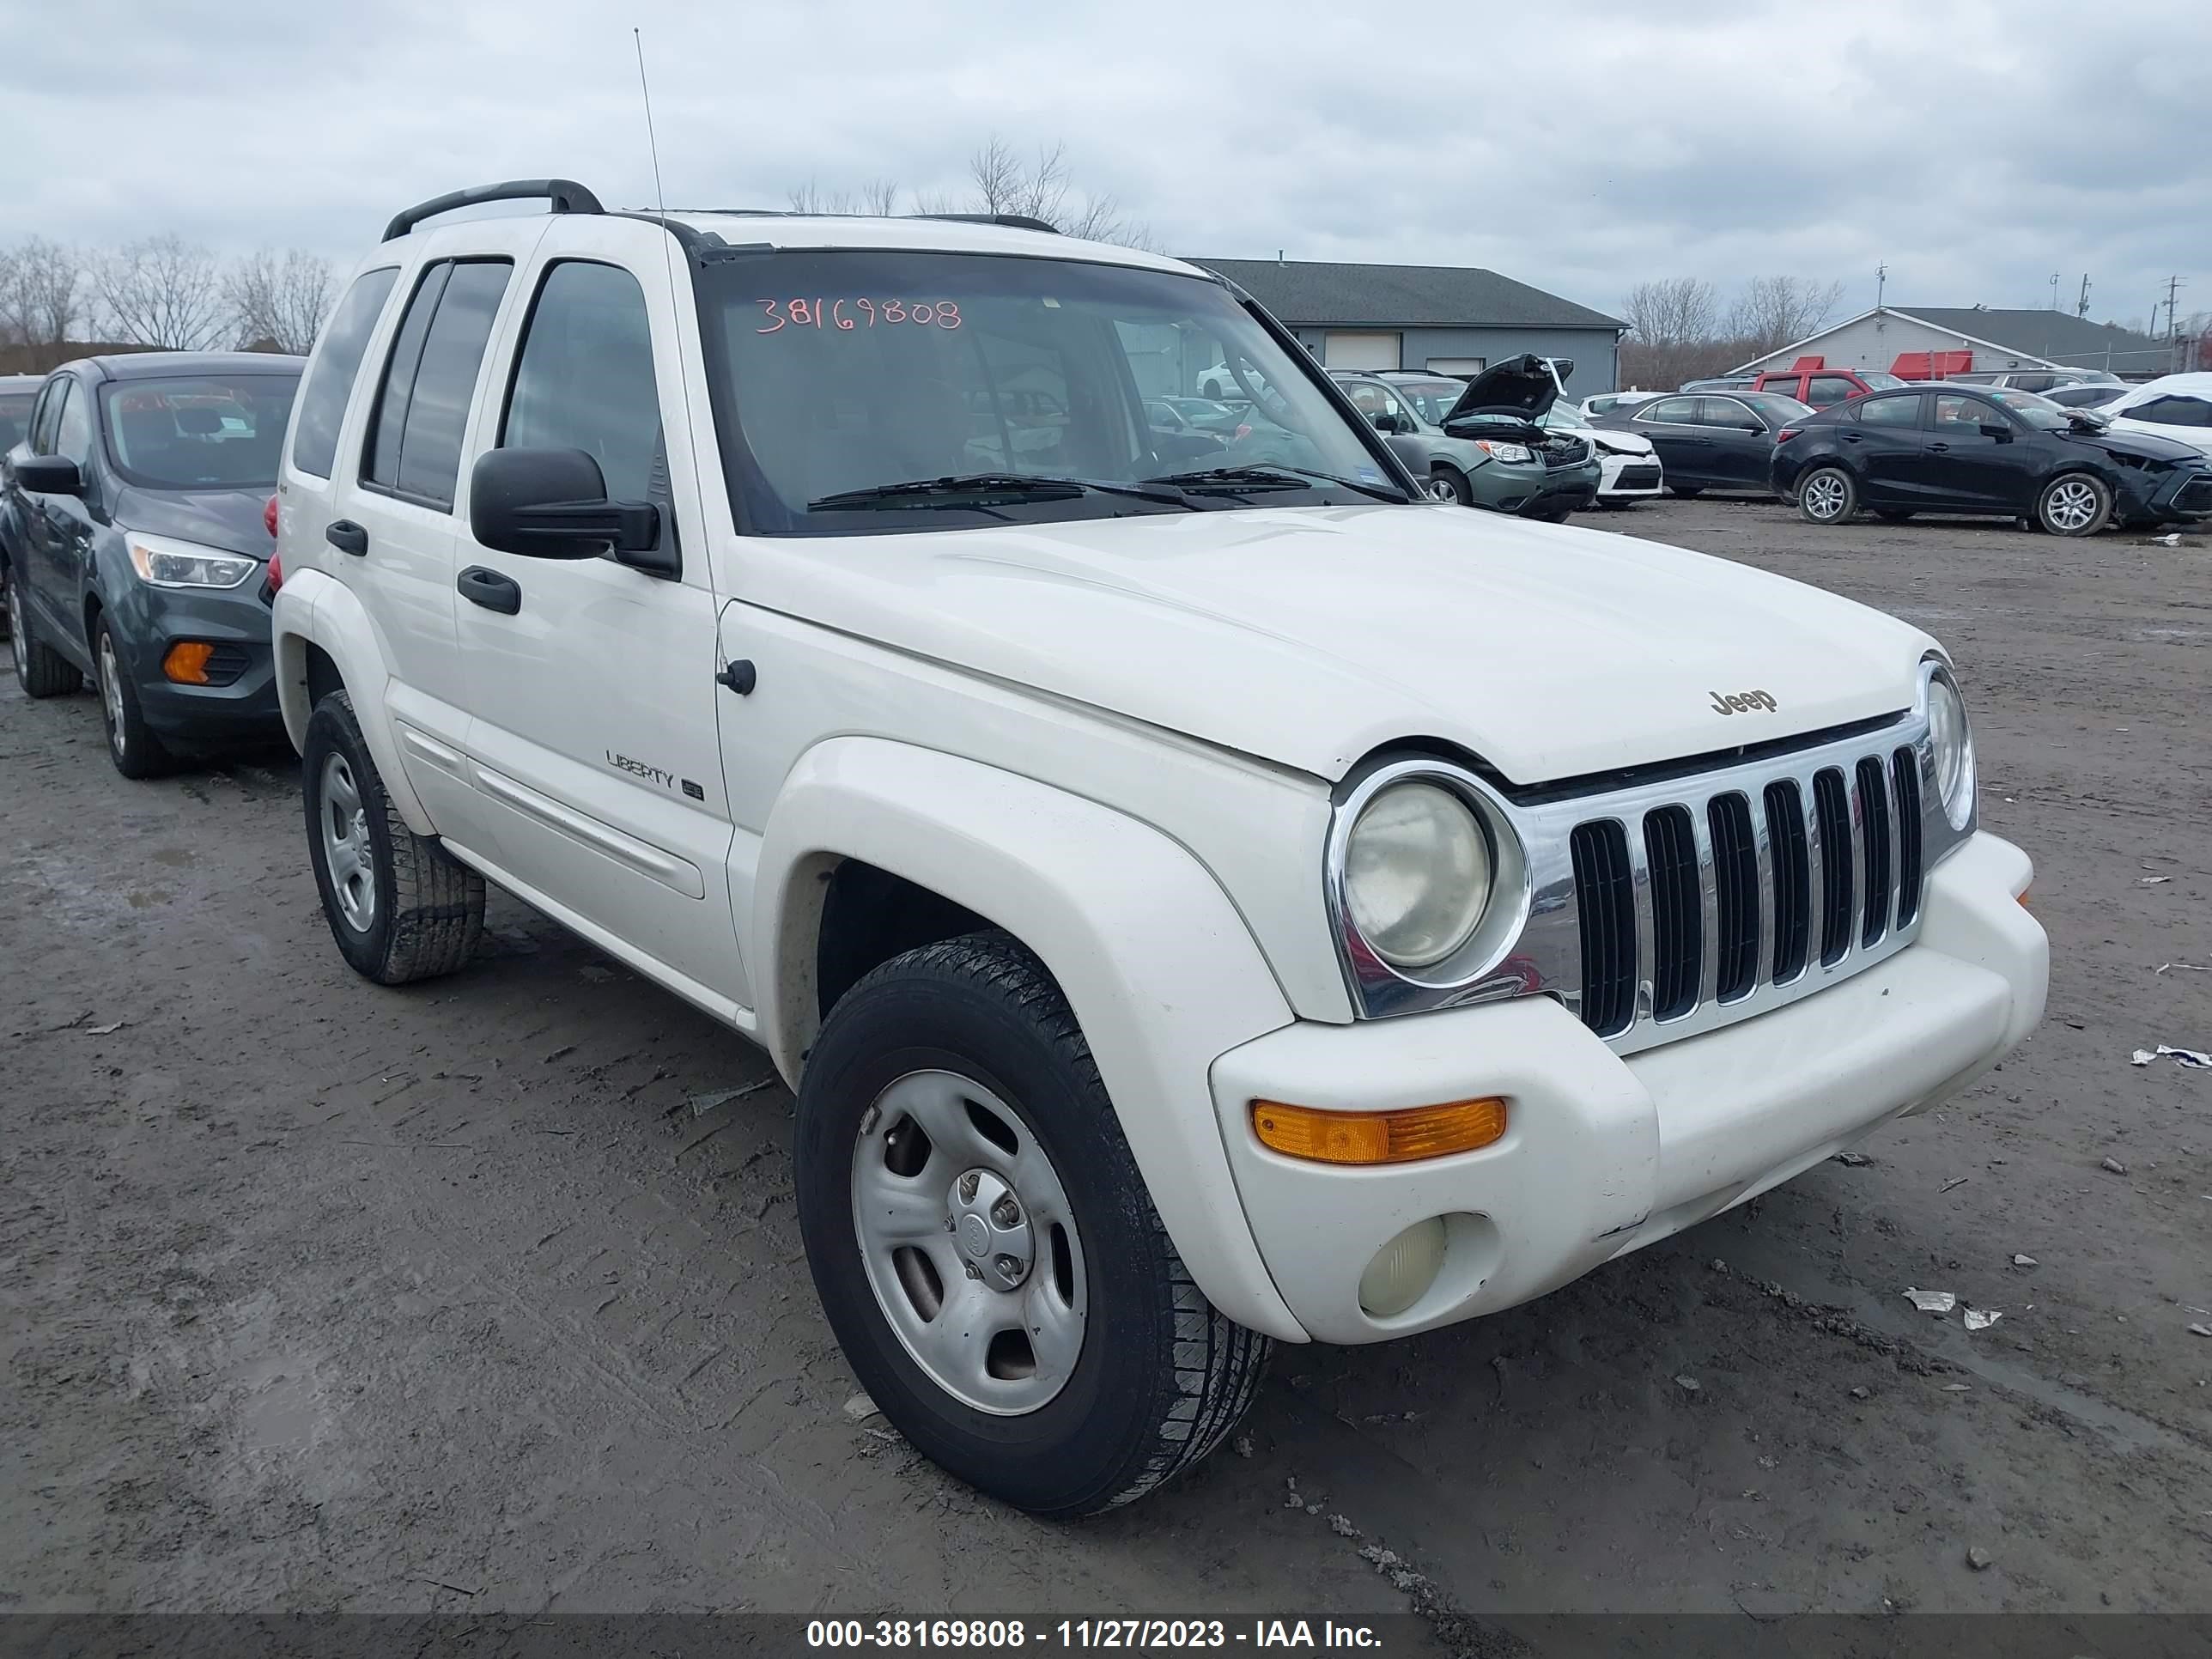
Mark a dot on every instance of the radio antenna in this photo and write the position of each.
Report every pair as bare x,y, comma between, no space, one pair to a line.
668,267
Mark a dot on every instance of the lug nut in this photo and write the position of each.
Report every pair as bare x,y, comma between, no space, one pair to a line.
968,1183
1007,1212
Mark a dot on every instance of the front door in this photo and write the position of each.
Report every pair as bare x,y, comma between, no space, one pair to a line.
1966,464
591,682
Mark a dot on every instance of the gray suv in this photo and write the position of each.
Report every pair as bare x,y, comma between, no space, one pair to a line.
1481,437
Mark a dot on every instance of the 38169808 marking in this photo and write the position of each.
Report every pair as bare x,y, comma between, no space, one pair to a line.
864,313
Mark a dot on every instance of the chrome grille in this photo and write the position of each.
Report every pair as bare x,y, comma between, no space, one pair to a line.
1725,901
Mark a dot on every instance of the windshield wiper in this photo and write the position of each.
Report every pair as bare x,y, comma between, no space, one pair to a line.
960,490
1274,475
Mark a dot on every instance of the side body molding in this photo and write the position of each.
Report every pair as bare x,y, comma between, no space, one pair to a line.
1161,971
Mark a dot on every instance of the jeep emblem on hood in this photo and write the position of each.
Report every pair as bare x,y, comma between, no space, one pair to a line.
1742,702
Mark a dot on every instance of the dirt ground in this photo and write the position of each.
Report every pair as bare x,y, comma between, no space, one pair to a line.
317,1296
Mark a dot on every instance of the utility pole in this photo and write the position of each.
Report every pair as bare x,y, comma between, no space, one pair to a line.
1881,281
2173,322
2081,305
2054,290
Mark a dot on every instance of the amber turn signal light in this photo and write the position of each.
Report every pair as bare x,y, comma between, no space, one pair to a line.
187,660
1401,1137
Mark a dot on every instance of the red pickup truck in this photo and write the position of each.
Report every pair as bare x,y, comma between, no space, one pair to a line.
1810,381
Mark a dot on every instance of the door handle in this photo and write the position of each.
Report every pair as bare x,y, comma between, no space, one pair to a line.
346,537
1939,449
1854,437
490,590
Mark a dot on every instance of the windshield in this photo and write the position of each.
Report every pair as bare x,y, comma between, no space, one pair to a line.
1565,417
1778,410
2033,407
839,374
208,432
1431,400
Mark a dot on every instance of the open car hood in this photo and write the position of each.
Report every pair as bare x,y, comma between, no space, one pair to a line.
1519,389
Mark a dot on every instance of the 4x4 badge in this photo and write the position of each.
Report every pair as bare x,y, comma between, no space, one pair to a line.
1742,702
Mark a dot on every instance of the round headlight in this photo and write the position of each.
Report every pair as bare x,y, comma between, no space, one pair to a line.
1416,874
1953,748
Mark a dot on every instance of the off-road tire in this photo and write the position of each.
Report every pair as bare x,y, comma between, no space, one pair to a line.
1162,1377
2047,504
1687,492
430,906
1814,499
131,744
40,670
1450,478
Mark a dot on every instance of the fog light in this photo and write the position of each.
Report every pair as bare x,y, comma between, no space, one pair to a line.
1399,1137
187,660
1402,1270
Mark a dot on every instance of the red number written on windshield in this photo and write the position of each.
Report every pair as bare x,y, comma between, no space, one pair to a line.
847,315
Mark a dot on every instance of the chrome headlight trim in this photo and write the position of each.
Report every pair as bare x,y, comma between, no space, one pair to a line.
1962,816
1467,974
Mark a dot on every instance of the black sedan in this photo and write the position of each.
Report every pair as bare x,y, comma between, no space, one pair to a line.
1986,450
132,523
1712,440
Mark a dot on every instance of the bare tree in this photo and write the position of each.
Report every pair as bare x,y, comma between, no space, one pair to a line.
1672,311
1774,311
1000,180
278,304
163,292
41,292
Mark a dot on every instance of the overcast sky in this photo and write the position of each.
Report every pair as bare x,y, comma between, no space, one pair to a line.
1975,146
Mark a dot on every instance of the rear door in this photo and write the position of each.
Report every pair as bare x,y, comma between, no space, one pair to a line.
1881,441
29,528
391,531
1677,429
593,738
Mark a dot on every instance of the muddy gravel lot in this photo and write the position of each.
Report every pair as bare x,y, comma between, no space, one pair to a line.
318,1296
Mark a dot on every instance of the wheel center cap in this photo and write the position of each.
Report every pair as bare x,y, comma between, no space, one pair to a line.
993,1228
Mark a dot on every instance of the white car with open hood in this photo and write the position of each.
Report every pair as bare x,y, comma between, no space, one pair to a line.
1202,893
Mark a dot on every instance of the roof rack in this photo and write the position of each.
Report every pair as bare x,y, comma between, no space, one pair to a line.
566,195
1011,221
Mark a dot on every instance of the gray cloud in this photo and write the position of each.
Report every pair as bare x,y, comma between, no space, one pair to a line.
1975,147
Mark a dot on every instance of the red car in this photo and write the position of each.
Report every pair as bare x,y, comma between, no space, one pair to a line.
1810,381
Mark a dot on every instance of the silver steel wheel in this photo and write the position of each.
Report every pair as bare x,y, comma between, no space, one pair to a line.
1823,495
969,1242
2070,505
1442,488
111,692
346,847
16,642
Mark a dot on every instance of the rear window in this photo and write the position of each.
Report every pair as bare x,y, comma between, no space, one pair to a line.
2172,409
414,447
330,383
205,432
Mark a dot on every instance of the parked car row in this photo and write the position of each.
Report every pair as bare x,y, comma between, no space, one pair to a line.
1202,889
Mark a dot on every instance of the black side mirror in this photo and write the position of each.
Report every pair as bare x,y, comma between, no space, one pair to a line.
2002,433
49,474
552,504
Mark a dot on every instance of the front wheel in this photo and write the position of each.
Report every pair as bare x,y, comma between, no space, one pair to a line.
400,906
1447,484
2074,504
131,744
984,1245
1827,496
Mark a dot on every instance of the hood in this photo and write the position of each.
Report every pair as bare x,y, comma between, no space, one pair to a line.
1312,636
2127,437
1617,441
1520,388
228,519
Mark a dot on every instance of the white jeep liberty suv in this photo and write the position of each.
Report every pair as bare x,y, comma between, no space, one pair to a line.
1201,890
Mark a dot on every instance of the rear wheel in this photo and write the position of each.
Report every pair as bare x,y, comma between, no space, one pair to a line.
2074,504
40,670
1827,496
136,752
400,906
986,1250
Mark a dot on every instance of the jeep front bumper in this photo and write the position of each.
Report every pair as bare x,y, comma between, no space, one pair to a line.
1603,1155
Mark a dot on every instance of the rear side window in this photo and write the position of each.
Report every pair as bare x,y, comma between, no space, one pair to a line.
1789,386
584,379
1726,411
2174,410
1671,411
1902,410
414,448
322,404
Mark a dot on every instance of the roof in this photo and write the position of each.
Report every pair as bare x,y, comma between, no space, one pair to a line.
1399,296
2049,337
781,230
150,365
21,382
